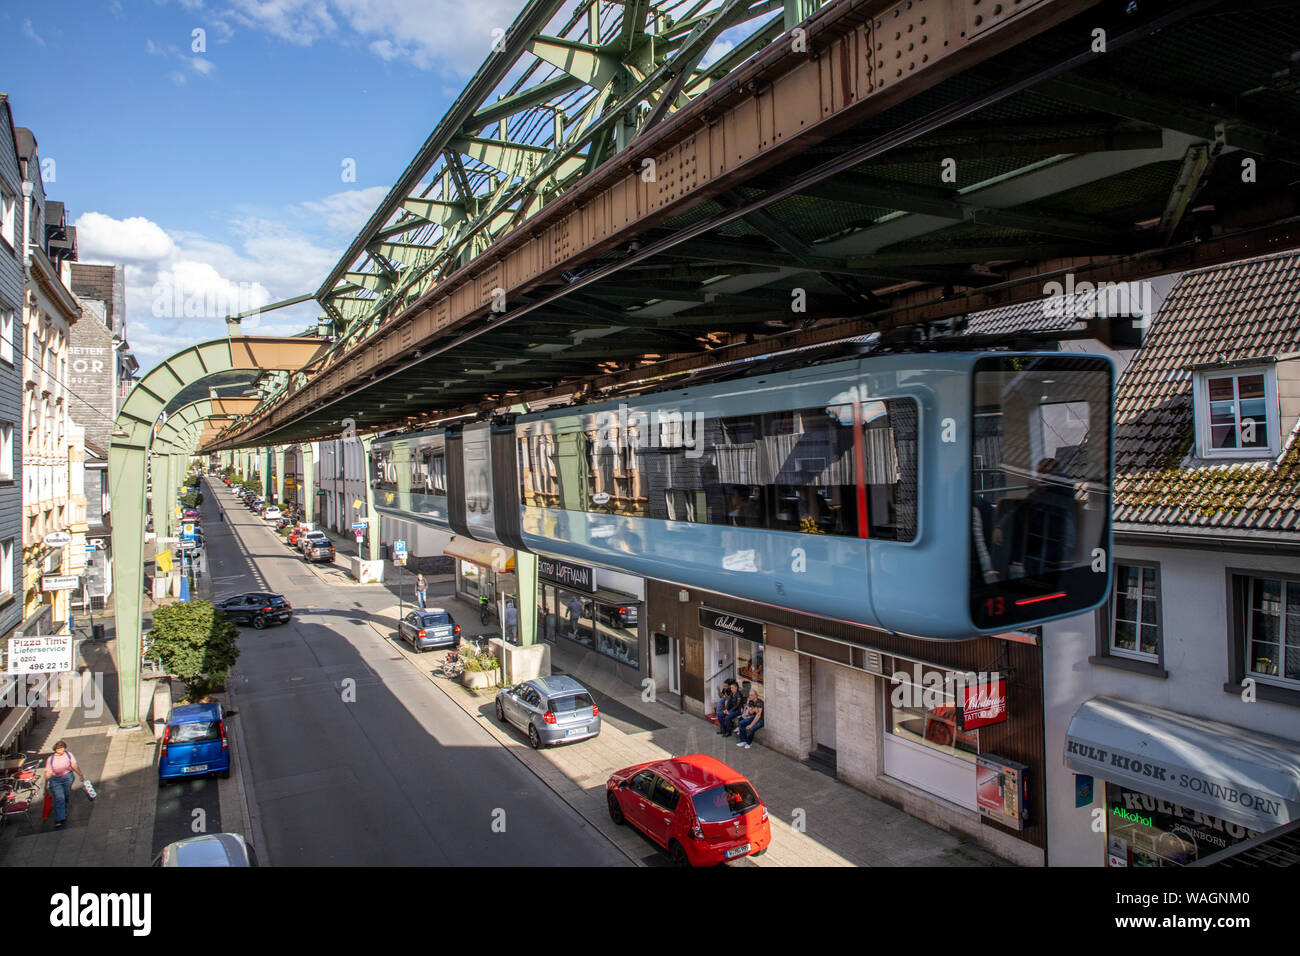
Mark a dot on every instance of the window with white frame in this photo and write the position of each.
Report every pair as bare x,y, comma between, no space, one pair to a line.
7,568
1135,612
9,217
7,322
1237,413
6,451
1272,636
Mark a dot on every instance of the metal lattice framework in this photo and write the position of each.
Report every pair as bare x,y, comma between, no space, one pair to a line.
525,253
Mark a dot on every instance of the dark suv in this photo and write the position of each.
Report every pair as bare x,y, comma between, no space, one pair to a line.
258,608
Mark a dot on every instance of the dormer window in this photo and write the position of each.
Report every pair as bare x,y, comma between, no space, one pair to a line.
1236,411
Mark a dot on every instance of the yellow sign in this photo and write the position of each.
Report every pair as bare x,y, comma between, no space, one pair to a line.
164,561
357,504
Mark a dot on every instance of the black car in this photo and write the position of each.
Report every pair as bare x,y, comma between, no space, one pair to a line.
258,608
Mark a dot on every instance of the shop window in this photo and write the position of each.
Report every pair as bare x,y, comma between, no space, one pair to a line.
1134,612
609,629
1145,831
923,714
1236,413
1267,613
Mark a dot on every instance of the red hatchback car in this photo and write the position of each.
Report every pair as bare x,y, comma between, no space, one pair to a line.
697,808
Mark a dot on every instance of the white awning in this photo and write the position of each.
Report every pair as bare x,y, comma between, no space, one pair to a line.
1238,775
478,552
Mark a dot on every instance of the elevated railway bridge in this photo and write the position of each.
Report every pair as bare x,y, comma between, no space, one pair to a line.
627,193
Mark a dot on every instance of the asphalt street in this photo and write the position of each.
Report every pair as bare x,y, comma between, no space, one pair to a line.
352,755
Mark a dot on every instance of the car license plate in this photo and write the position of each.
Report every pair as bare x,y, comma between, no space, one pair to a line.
738,851
201,766
573,731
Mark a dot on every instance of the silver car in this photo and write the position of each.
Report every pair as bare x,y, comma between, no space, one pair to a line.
212,849
549,710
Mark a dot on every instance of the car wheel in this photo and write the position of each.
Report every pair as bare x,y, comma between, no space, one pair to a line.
501,713
259,622
678,854
615,811
225,774
534,739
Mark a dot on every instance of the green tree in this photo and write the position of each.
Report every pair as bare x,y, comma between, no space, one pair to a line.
254,485
194,641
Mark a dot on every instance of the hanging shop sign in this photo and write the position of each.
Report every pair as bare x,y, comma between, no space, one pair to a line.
572,576
57,539
728,623
60,582
983,703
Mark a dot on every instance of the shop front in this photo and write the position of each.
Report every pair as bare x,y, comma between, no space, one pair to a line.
950,732
483,569
1178,788
595,609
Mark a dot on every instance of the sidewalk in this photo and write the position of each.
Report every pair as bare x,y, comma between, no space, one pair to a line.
841,826
117,828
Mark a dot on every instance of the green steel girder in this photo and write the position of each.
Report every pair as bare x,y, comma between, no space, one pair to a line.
610,80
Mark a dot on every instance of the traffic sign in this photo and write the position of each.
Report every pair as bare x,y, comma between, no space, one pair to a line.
399,547
360,525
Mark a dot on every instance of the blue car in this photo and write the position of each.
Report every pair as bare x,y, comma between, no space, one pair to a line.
194,744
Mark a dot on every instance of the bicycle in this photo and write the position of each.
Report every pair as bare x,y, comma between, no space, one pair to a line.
452,665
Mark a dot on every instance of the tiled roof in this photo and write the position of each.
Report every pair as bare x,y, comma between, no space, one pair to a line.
1239,311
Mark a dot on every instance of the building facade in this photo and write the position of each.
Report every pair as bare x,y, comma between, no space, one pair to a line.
1173,713
14,714
51,446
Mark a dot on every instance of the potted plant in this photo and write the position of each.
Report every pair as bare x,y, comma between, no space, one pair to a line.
481,669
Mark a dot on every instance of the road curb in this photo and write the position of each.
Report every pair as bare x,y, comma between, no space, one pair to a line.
506,743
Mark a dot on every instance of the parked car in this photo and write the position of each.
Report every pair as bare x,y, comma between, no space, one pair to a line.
272,513
210,849
307,536
617,616
190,514
432,627
318,549
696,807
549,710
258,608
257,506
194,743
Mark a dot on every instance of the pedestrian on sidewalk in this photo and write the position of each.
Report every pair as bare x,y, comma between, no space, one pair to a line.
512,621
752,722
221,513
421,588
60,771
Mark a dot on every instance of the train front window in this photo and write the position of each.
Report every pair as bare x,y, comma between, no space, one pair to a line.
1041,487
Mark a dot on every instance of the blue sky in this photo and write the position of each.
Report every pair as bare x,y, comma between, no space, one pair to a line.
219,171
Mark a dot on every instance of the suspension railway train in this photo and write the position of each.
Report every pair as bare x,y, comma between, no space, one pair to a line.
937,495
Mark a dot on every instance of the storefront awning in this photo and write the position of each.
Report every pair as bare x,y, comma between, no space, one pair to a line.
481,553
1245,777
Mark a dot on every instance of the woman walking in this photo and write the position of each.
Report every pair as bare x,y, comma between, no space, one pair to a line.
421,588
60,771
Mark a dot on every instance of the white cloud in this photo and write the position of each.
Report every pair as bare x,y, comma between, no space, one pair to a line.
180,286
133,239
345,211
201,65
30,32
177,78
450,35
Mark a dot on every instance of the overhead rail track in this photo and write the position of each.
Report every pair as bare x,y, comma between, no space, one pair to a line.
854,168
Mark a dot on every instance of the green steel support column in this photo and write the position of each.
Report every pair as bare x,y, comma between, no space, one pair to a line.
526,573
797,11
126,468
372,519
264,457
279,475
308,481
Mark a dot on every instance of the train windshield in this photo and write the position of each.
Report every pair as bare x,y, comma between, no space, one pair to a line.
1041,487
